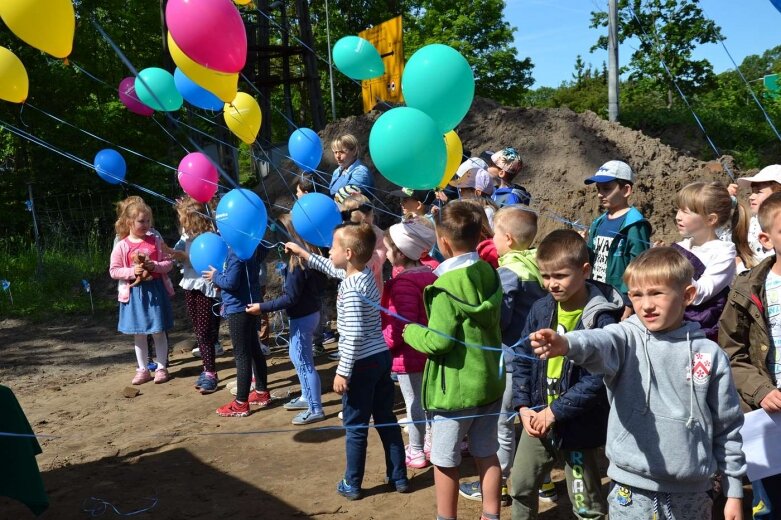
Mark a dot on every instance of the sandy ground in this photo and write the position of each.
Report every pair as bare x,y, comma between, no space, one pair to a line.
168,448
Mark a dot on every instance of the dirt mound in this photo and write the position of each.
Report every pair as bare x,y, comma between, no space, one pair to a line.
560,148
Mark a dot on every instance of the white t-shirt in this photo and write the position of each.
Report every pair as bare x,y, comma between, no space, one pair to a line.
718,257
773,295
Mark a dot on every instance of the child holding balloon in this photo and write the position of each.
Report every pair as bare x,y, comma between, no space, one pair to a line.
302,301
145,308
200,295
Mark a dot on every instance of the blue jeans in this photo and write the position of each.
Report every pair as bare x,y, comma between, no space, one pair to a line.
371,394
300,351
768,492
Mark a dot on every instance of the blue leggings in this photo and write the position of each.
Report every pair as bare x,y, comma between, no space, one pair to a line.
300,351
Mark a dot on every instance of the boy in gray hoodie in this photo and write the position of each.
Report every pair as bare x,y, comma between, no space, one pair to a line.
675,418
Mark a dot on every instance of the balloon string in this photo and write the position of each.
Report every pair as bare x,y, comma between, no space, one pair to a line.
158,123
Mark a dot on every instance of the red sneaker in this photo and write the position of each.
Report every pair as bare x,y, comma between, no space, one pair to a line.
260,399
234,409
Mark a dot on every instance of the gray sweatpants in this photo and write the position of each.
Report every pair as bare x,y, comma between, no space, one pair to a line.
625,503
506,429
411,390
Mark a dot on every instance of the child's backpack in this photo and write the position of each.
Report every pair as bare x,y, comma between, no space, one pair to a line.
515,194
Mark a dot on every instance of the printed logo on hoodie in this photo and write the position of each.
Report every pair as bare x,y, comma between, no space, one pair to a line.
701,366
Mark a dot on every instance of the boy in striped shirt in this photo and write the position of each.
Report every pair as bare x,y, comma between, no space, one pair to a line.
363,374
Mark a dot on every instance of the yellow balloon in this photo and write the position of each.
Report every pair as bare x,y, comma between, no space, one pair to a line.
455,152
221,84
243,117
46,25
14,83
242,2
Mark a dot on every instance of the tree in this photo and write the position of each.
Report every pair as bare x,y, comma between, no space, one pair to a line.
580,67
668,30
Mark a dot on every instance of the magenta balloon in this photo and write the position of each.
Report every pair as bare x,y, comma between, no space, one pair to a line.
198,176
209,32
128,97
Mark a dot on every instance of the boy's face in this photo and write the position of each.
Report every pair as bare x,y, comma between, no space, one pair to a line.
502,240
564,281
410,206
771,238
759,192
338,254
613,196
660,306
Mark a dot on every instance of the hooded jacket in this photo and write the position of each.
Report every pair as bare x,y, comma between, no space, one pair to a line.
403,295
301,293
522,286
581,409
464,305
744,335
632,239
675,418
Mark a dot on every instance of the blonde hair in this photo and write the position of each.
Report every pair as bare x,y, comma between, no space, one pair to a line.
295,261
768,211
359,238
520,223
346,142
660,265
130,212
192,216
353,203
705,198
122,204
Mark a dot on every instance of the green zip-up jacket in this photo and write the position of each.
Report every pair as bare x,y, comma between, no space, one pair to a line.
633,238
465,304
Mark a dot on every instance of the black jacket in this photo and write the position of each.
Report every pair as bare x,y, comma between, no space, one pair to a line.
302,293
581,409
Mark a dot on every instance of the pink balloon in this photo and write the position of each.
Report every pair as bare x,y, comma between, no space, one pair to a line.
128,97
209,32
198,176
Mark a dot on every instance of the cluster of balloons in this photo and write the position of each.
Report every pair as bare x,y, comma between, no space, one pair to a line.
48,26
415,146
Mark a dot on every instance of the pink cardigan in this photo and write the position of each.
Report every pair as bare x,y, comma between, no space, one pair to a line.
403,295
119,270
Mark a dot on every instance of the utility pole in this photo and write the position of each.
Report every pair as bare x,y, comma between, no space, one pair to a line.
612,57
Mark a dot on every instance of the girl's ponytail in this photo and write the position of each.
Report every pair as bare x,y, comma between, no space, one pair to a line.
739,221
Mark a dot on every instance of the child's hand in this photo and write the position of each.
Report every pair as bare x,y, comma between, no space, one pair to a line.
733,509
771,403
149,265
138,269
340,384
209,274
526,415
253,308
294,249
543,421
732,189
547,344
180,256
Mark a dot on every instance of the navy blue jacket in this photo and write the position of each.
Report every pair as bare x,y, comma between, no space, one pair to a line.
581,409
239,283
302,293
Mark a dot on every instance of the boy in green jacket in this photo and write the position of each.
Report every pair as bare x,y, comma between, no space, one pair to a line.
620,233
464,307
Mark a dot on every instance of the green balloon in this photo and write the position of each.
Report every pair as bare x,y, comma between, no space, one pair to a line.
357,58
156,89
408,149
438,80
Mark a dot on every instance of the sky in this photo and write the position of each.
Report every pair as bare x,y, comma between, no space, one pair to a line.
553,32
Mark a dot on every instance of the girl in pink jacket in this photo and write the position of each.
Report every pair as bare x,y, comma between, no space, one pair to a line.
403,295
144,304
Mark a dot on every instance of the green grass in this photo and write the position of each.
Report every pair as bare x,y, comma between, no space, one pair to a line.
54,286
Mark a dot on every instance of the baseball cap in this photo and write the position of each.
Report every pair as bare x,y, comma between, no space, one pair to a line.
464,177
423,196
770,173
507,160
613,171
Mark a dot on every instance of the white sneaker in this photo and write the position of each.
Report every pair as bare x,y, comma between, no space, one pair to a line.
218,350
340,416
196,352
265,349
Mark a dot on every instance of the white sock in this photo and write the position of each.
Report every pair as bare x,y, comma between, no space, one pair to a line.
161,349
140,347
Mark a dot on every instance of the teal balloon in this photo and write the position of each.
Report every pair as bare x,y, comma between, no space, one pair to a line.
438,80
408,149
357,58
156,89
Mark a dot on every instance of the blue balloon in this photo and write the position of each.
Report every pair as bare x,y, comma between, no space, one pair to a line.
208,249
195,94
110,166
315,215
241,220
305,148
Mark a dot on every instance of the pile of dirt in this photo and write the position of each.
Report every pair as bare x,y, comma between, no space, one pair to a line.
560,148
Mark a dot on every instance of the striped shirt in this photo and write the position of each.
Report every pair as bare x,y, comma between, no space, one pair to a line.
358,321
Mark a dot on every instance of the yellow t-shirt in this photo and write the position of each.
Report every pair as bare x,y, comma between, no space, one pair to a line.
567,321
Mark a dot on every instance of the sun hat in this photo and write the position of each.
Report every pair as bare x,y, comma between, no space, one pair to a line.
770,173
413,238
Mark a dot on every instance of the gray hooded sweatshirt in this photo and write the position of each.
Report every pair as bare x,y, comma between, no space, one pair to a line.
675,418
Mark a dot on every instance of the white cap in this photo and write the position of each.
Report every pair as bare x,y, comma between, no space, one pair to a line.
770,173
611,171
473,174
